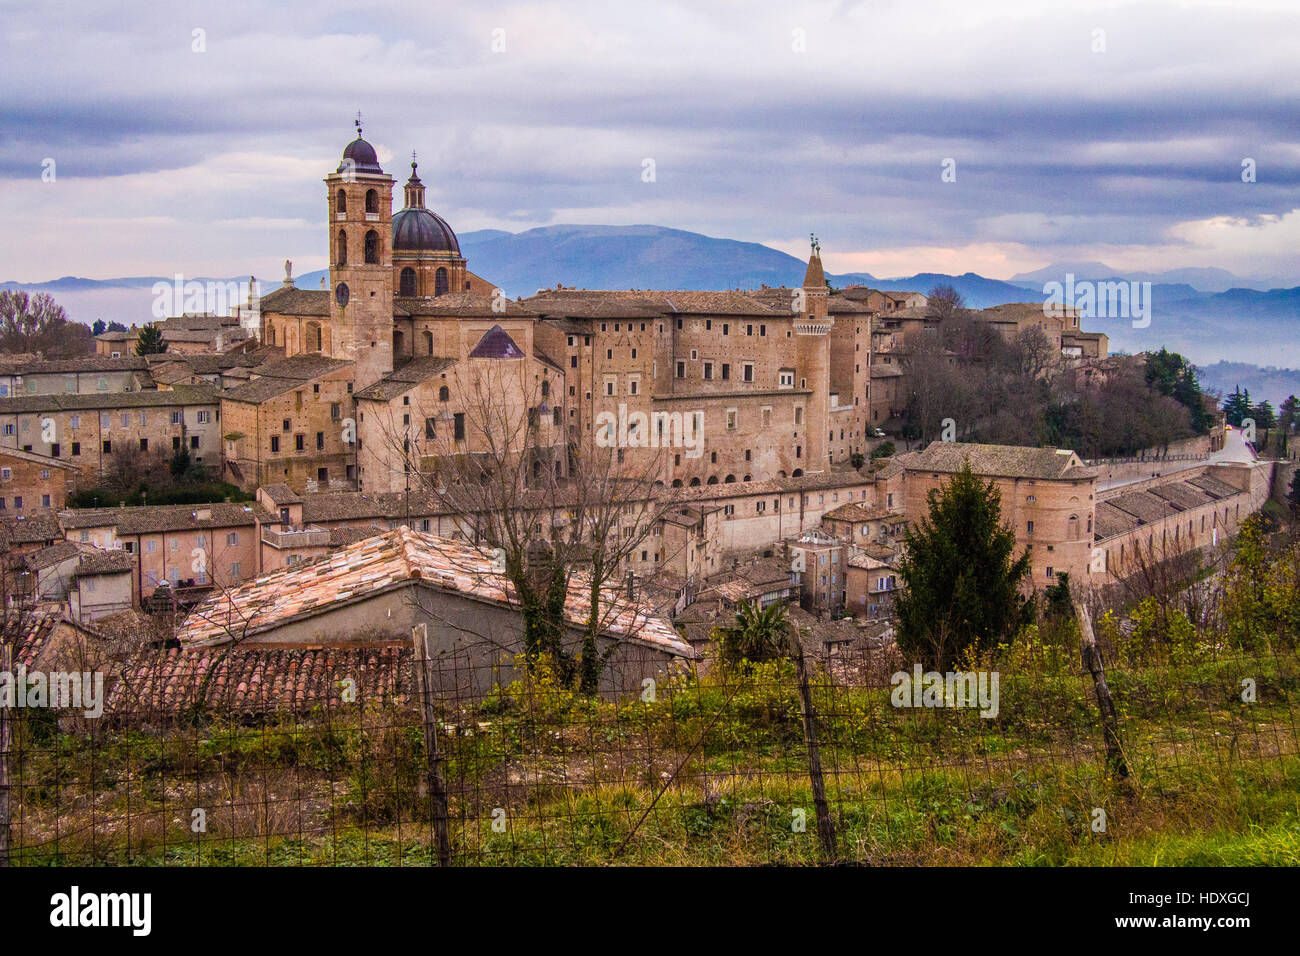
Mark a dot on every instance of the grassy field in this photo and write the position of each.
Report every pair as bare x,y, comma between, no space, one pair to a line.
714,771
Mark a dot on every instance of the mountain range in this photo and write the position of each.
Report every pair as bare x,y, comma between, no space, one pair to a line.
1210,315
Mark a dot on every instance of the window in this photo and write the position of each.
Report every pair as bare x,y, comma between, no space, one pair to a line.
299,442
108,447
430,429
285,425
726,370
144,444
708,371
234,570
444,394
406,284
440,283
785,378
748,372
681,369
732,418
798,414
194,441
232,538
458,425
275,443
372,248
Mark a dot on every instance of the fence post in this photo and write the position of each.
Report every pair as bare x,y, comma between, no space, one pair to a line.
825,827
6,667
432,751
1115,761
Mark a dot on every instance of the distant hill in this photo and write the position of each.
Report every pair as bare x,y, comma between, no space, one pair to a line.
1271,383
1190,314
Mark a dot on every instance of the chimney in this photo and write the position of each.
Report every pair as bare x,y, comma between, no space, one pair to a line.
631,585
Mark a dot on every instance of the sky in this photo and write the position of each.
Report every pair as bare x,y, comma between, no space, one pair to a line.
156,138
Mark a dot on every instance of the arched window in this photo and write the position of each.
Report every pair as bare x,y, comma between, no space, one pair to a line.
372,201
372,248
444,393
440,282
729,480
406,284
428,342
677,482
341,249
713,479
797,473
341,201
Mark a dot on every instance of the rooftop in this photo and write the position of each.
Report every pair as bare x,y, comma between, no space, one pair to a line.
1004,461
394,559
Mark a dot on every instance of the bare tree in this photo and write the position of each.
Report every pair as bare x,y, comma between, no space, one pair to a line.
557,512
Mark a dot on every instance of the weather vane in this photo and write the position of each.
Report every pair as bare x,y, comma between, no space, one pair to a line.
816,246
357,122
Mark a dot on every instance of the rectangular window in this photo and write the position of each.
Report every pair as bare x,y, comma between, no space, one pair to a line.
176,417
748,372
459,426
320,441
681,369
232,538
708,371
299,442
204,417
108,447
275,443
726,371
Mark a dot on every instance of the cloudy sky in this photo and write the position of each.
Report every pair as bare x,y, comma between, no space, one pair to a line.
193,137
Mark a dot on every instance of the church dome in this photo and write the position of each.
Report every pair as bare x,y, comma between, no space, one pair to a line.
362,155
420,230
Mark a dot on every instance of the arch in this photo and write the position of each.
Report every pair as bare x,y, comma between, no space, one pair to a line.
713,479
372,201
747,478
729,480
406,283
677,482
428,342
440,281
341,201
444,393
782,474
341,248
372,248
797,473
695,482
1073,527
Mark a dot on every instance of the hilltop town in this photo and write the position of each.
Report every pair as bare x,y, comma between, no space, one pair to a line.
767,445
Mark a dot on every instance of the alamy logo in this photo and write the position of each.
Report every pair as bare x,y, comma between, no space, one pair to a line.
656,430
214,298
82,691
1115,299
953,689
72,909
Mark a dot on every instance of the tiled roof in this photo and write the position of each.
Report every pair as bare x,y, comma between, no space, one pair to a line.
1214,487
179,395
1144,506
296,301
1010,461
255,681
1111,521
44,460
31,528
23,365
656,300
34,632
281,494
1182,494
152,519
404,379
390,560
856,511
105,562
462,304
48,557
814,277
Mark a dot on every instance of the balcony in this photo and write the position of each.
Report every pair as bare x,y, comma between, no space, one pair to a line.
291,539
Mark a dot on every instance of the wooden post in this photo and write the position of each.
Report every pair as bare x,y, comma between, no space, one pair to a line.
1115,761
6,665
432,753
825,827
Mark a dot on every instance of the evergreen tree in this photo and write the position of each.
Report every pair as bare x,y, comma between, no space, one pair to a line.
961,579
151,341
1237,406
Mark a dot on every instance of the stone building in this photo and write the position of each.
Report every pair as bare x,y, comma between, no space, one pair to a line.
93,375
88,430
29,481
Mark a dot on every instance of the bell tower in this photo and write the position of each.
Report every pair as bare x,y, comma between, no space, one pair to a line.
360,202
813,357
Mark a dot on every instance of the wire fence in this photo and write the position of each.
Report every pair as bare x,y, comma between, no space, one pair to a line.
381,756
